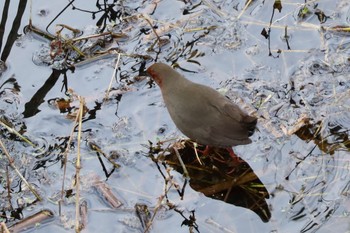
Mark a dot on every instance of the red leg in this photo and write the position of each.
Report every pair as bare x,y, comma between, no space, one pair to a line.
206,151
235,157
236,160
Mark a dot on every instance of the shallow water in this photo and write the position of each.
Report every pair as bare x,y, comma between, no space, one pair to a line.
305,172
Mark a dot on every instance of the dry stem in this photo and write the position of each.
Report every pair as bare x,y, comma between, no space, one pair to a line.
18,172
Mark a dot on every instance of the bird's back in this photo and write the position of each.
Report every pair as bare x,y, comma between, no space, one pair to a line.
208,117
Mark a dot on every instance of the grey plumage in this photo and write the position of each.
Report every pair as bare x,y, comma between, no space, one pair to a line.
200,112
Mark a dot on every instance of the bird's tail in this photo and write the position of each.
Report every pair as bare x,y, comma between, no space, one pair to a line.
250,123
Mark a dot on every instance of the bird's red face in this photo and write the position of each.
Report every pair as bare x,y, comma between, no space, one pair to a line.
155,75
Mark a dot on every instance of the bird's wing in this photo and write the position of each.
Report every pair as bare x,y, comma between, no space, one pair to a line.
232,122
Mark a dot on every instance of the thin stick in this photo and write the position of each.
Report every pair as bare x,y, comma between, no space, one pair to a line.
195,151
182,163
11,130
65,158
148,20
30,12
4,228
8,184
113,76
159,204
78,167
244,9
214,8
18,172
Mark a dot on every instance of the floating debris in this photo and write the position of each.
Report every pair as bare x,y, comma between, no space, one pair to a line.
107,195
33,221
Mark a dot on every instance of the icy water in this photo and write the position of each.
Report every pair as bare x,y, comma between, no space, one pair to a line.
288,63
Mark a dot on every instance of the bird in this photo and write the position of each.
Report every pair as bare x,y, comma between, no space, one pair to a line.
200,112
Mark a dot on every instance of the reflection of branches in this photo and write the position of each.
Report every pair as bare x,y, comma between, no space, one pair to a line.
32,107
108,13
337,139
3,20
188,52
47,28
13,35
13,82
297,164
190,222
267,34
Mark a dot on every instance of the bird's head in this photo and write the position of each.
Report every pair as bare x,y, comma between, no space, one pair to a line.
162,74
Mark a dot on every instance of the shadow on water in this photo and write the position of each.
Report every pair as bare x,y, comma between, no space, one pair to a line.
219,177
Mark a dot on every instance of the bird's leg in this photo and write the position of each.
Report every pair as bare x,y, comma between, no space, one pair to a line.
235,157
209,149
206,151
